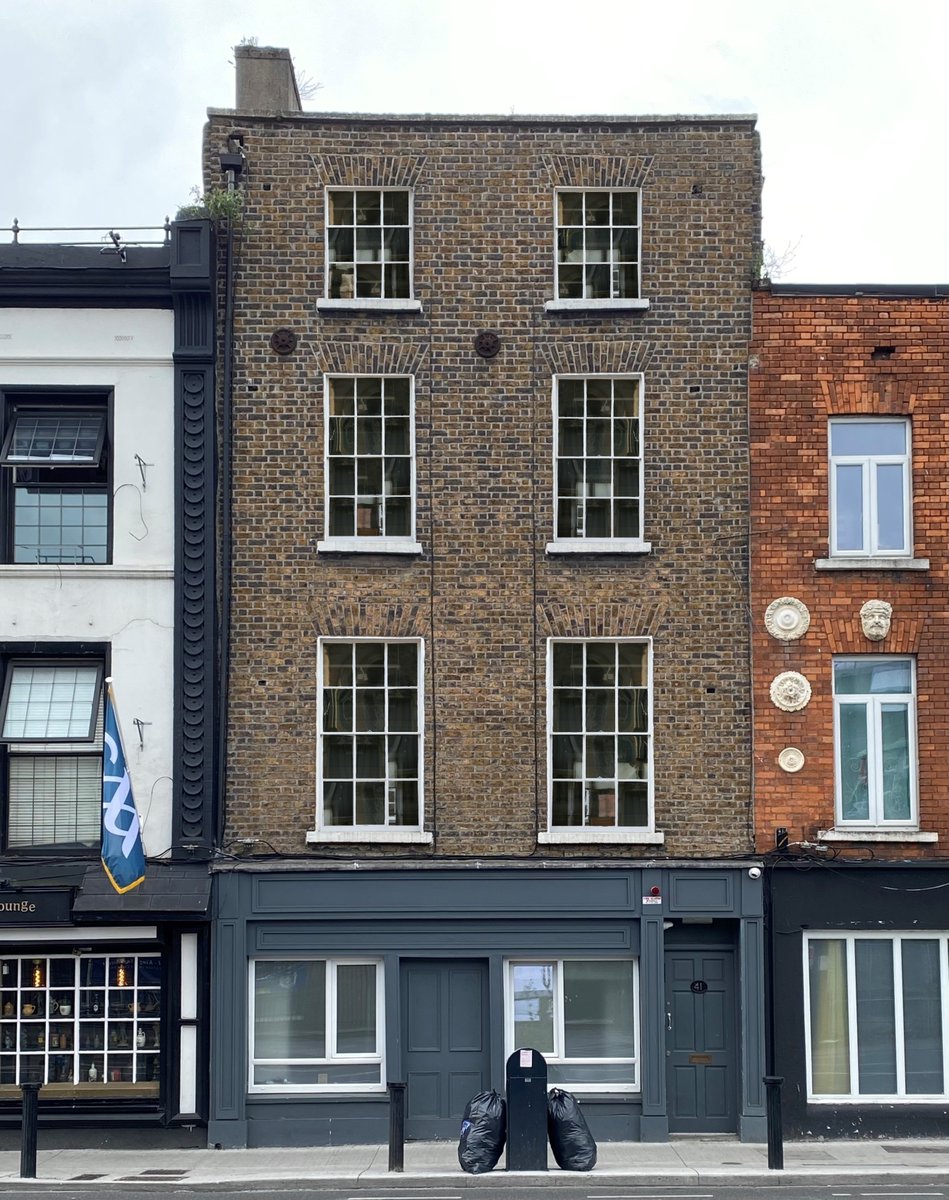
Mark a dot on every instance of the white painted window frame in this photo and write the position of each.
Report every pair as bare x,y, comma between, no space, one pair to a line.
869,463
585,834
610,545
896,938
332,1057
558,1057
874,702
370,833
613,300
368,545
380,302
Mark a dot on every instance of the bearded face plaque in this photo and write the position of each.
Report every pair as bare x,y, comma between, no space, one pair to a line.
875,618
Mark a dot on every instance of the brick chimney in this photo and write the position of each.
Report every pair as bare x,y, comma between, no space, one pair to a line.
265,80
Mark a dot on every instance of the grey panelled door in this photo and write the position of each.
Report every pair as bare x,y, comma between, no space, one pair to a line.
701,1066
445,1042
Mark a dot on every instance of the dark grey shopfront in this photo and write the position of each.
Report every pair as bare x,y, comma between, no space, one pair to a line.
326,984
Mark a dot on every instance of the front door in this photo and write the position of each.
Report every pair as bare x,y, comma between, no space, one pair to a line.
701,1020
445,1042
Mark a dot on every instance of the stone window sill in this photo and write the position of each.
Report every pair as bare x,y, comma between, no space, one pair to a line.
354,835
588,835
594,306
871,564
368,545
599,546
373,304
875,835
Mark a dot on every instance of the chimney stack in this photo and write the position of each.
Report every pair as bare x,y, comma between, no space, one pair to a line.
265,80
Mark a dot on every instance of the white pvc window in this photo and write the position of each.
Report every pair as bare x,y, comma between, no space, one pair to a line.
370,744
599,717
875,736
370,459
598,473
875,1016
870,487
316,1025
581,1014
598,244
368,243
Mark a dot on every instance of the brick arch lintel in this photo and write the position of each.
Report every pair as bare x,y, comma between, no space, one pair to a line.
637,619
368,618
845,636
885,396
606,170
368,170
615,357
364,358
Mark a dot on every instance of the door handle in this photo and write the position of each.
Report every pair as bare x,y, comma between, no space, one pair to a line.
669,1022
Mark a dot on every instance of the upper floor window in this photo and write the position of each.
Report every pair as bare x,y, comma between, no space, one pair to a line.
55,487
599,718
599,460
51,725
370,475
598,244
875,730
368,244
875,1016
370,742
870,487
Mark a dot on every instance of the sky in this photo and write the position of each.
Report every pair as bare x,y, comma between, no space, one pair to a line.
102,102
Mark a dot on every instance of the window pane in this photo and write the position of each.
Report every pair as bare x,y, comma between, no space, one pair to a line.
54,799
56,439
598,1010
890,516
896,765
876,1016
533,988
887,676
854,765
290,1009
356,1008
867,437
51,703
922,1021
830,1046
848,497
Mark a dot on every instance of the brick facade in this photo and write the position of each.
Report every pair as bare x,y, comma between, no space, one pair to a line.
815,356
483,593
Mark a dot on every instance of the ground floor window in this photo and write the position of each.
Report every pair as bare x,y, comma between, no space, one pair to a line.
582,1015
89,1022
316,1025
874,1015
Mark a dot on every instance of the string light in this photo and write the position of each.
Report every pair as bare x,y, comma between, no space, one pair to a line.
121,978
37,973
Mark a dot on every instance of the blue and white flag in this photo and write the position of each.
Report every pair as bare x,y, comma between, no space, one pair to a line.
122,854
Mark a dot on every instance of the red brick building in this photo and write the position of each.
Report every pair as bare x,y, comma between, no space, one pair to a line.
849,412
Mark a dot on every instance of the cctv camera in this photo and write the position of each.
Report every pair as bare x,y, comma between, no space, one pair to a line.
754,872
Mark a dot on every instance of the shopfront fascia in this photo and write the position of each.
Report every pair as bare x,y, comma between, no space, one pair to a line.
329,984
103,1002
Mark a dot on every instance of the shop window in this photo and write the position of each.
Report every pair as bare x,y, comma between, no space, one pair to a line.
90,1023
316,1025
55,465
875,1015
581,1014
51,724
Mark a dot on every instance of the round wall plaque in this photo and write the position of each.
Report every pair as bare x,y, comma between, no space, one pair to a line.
487,344
790,691
787,618
791,759
283,341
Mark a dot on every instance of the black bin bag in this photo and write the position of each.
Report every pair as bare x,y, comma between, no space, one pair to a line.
483,1133
570,1139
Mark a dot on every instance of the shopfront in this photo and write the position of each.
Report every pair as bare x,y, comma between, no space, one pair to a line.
642,987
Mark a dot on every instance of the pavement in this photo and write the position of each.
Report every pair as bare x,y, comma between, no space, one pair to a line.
683,1160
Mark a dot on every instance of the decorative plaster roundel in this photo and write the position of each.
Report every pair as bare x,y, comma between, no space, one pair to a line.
791,759
787,619
790,691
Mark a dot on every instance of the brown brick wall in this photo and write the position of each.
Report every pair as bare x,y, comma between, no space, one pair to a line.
815,361
483,593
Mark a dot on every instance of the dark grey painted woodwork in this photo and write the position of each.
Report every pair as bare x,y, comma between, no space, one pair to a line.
445,1042
753,1121
702,1066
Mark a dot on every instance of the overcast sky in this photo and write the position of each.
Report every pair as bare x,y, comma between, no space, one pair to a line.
103,101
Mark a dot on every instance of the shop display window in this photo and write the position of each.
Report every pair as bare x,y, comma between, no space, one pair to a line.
87,1022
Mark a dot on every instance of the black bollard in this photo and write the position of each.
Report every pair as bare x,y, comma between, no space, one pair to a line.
775,1133
396,1126
31,1095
